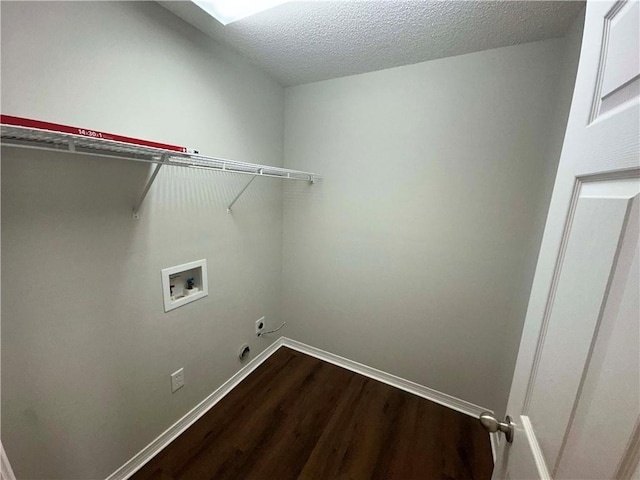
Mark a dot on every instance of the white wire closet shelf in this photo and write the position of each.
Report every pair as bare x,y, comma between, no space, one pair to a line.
91,143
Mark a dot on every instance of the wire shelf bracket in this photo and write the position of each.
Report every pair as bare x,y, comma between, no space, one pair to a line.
58,138
136,210
240,194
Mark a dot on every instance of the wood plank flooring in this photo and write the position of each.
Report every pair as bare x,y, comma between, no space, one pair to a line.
296,417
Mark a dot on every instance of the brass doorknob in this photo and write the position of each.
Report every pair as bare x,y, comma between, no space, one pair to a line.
491,425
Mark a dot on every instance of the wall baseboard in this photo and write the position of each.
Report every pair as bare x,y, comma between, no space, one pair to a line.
6,472
164,439
170,434
443,399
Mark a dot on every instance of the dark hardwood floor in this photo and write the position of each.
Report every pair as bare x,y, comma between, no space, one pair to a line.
296,417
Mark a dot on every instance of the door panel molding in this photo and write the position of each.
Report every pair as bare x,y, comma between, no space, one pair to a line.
6,472
557,270
610,92
631,457
621,268
629,174
536,450
611,201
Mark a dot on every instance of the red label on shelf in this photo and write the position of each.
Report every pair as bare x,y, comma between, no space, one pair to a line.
85,132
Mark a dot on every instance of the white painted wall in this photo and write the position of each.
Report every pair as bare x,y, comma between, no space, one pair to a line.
86,346
416,252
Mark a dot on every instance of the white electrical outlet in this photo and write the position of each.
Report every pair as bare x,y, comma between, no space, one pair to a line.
177,380
260,324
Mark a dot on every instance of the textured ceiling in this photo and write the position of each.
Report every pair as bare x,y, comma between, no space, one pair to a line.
307,41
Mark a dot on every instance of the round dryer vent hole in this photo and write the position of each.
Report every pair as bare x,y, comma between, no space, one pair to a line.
243,352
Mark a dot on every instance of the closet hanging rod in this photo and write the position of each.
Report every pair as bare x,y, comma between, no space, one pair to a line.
33,134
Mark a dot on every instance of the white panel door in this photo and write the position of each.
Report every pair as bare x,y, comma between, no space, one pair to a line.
576,388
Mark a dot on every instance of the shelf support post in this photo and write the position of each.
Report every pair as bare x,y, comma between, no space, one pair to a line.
136,209
242,191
